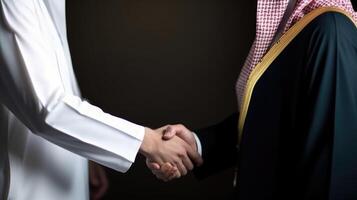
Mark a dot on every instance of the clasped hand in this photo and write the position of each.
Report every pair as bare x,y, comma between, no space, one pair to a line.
170,151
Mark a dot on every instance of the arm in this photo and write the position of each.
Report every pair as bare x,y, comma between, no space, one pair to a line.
33,87
219,143
332,107
216,143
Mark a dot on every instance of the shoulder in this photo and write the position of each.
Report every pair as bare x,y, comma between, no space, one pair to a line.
331,45
334,25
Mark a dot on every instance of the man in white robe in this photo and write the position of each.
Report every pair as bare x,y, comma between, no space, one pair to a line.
47,132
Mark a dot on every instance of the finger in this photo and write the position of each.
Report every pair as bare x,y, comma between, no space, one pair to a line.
166,177
176,174
165,172
167,169
194,155
181,167
163,128
187,162
176,130
152,165
169,133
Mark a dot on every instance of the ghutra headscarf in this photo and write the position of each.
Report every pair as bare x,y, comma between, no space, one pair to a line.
275,17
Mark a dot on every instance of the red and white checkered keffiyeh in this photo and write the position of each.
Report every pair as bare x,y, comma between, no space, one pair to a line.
269,15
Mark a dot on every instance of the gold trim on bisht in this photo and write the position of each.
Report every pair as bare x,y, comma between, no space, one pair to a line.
273,53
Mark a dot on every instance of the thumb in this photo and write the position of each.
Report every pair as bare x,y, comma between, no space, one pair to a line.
169,133
152,165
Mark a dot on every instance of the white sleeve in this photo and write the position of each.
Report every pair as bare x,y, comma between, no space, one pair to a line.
32,87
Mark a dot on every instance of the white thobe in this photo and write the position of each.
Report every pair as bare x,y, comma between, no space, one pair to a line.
47,132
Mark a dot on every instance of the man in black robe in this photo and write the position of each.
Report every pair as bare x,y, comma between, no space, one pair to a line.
299,132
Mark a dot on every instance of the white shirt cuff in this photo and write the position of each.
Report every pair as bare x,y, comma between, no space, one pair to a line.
198,144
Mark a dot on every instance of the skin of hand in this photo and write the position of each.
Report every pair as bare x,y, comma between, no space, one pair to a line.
98,181
165,172
174,151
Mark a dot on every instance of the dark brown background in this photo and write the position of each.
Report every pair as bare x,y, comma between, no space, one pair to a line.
156,62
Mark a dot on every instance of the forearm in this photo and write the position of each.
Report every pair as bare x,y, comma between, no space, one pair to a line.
88,131
35,87
219,143
83,129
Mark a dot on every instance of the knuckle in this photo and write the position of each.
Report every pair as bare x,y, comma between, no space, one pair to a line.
181,154
181,126
176,162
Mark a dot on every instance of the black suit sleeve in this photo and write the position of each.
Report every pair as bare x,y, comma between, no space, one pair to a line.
218,146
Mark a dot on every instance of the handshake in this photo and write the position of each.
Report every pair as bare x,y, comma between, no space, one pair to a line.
171,151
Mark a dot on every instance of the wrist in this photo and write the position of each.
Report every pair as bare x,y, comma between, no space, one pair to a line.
147,145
